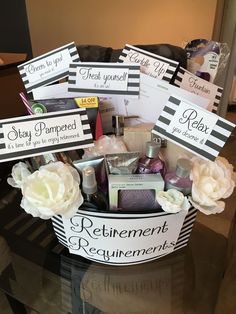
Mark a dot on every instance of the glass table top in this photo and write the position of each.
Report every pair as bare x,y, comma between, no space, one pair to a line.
39,272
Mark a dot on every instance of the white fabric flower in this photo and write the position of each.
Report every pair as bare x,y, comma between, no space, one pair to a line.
212,181
19,173
52,190
172,201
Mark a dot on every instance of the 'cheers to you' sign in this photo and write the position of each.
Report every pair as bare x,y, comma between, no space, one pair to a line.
124,239
51,132
193,127
49,67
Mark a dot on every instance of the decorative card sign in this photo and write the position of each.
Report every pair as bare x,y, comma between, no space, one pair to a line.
104,78
192,127
192,83
51,132
49,67
151,64
123,239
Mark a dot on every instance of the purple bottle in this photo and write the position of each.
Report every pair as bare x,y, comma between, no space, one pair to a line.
152,162
179,179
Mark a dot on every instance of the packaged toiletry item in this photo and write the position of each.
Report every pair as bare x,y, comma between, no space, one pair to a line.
152,162
172,152
109,144
123,163
134,192
179,179
206,58
98,163
92,197
58,104
135,137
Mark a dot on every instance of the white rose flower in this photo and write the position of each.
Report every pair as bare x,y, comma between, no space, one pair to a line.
19,173
172,201
52,190
212,181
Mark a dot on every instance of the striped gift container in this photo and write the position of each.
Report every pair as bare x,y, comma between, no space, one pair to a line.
118,238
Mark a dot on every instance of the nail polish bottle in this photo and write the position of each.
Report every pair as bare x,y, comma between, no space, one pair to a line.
152,162
179,179
92,197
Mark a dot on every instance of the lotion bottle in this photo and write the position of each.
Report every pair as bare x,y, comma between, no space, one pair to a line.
179,179
152,162
92,197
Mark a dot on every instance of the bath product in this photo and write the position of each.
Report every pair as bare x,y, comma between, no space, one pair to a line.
134,192
92,197
152,162
179,179
98,163
136,136
123,163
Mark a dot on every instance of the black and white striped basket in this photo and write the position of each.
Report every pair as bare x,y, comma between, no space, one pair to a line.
118,238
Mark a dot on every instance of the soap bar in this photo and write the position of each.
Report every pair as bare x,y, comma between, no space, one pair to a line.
135,137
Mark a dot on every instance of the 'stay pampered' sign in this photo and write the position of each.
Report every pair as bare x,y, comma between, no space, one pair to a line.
49,67
193,127
104,79
51,132
119,239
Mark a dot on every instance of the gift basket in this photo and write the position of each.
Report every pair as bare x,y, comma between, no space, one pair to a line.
119,156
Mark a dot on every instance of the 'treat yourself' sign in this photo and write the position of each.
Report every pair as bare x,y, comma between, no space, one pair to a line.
123,239
100,78
192,127
51,132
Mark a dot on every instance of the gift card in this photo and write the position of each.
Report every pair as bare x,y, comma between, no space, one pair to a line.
99,78
150,63
38,134
49,67
194,84
192,127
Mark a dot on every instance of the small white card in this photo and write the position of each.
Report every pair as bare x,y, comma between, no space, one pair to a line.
152,99
50,132
192,127
150,63
104,79
49,67
53,91
194,84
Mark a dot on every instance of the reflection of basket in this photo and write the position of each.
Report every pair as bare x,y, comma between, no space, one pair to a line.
118,238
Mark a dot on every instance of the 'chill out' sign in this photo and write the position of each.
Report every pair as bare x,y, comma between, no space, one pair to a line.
111,240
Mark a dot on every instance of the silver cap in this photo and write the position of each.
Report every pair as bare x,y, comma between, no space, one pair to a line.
183,167
152,149
89,184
